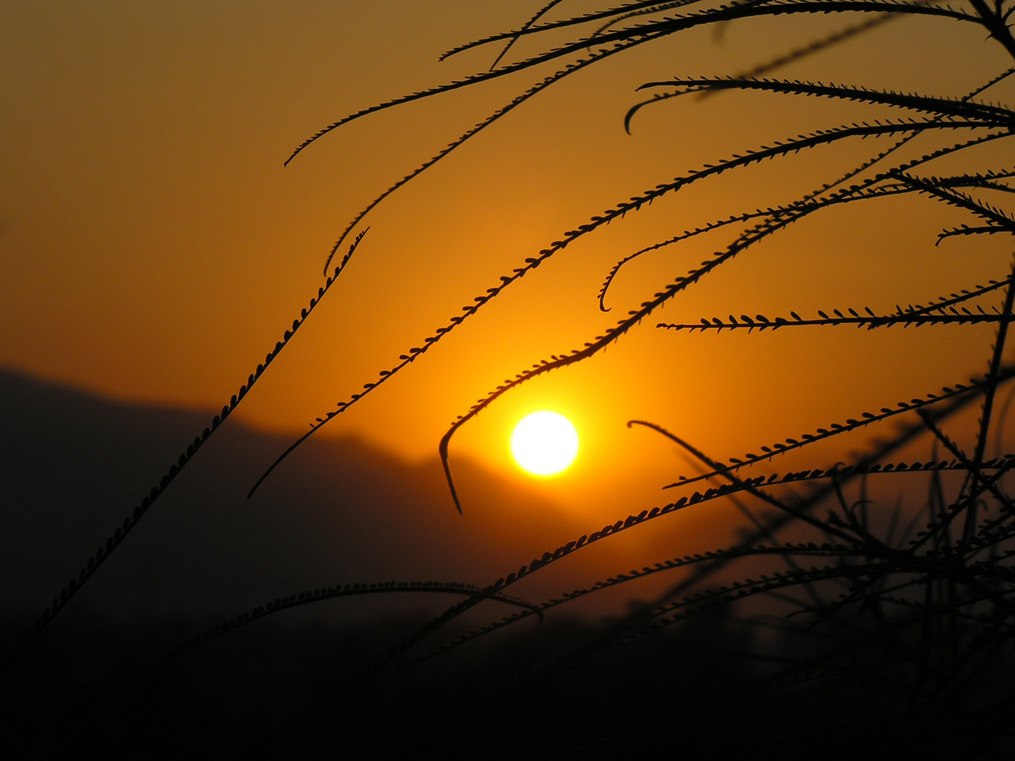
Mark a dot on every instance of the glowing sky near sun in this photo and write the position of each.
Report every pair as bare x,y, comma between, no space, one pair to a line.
155,248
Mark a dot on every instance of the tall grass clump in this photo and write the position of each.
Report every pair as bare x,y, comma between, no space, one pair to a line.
836,625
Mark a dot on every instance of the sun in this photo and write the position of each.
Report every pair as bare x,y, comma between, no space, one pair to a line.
544,443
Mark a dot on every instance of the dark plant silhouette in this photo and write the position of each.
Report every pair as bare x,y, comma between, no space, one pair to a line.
902,623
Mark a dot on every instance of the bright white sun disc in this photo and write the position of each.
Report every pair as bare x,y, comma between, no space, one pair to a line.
544,443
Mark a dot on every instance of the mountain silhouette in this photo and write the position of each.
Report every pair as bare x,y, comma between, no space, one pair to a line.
74,465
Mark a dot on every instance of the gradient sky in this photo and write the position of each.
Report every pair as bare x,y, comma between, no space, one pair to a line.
154,248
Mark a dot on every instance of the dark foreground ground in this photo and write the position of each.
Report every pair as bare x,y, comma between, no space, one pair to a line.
553,690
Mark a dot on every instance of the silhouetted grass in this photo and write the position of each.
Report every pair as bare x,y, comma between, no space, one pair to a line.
820,633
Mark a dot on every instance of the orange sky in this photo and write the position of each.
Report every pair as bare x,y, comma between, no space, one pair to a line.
154,247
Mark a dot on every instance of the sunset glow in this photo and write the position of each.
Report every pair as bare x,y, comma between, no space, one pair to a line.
287,283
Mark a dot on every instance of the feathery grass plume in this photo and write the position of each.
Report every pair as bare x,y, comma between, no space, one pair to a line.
648,29
886,172
905,622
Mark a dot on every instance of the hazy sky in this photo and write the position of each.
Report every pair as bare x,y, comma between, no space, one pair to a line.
154,247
